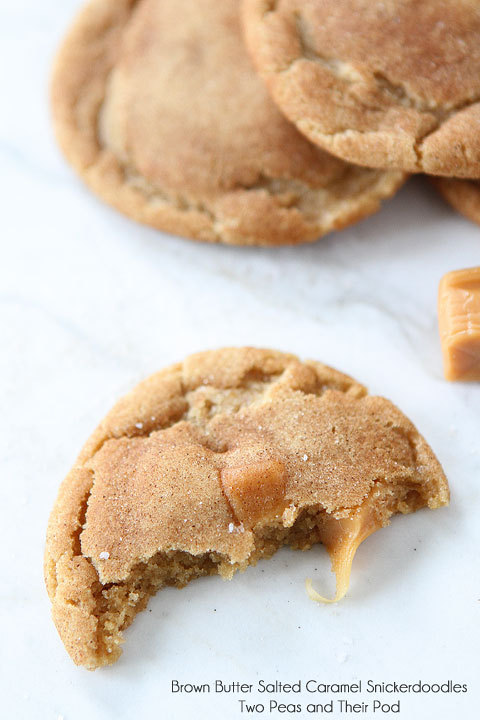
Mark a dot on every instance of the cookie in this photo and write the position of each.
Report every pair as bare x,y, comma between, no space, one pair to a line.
393,84
216,462
463,195
157,107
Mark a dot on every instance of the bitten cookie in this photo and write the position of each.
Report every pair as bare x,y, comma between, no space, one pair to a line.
393,84
214,463
156,106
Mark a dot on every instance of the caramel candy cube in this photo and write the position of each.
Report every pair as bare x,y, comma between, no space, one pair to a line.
459,323
256,492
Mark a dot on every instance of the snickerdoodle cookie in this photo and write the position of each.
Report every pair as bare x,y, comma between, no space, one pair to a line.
463,195
391,84
157,107
214,463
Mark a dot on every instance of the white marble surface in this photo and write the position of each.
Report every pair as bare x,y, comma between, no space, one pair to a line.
90,303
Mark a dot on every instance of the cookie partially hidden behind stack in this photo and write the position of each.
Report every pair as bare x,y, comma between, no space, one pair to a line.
157,107
393,84
214,463
463,195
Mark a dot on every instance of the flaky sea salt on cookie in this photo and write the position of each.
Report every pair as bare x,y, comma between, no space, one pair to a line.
214,463
157,107
391,84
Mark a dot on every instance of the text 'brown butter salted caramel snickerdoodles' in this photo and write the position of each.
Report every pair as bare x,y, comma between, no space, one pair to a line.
391,84
214,463
157,107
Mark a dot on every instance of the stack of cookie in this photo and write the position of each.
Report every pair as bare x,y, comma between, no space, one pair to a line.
158,107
